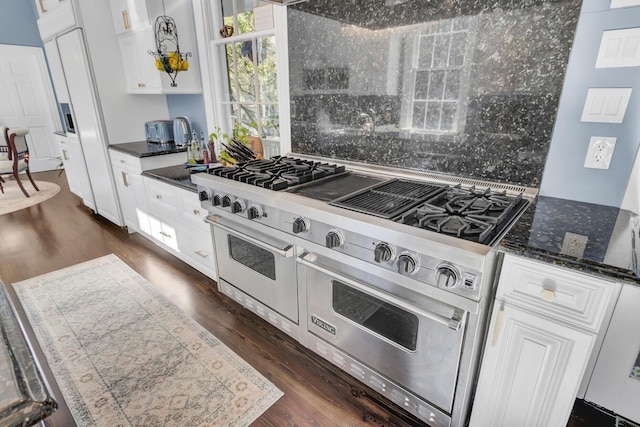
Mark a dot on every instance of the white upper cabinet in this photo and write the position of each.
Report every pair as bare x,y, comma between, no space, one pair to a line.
55,17
129,15
134,22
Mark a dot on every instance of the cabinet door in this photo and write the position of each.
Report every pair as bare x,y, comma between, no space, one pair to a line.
76,169
129,15
55,17
89,125
126,181
531,371
139,67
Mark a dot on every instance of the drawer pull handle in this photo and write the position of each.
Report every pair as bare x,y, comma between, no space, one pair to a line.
42,9
165,234
123,161
496,329
158,196
548,295
65,155
196,211
125,19
141,85
200,254
125,182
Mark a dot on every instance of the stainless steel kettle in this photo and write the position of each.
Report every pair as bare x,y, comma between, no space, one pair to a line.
181,131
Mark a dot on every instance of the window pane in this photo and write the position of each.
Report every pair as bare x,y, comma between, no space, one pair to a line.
448,118
456,56
436,85
249,117
270,121
441,50
233,96
425,55
267,69
452,85
245,69
422,85
245,16
419,109
433,115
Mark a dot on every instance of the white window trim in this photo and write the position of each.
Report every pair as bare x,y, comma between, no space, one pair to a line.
213,67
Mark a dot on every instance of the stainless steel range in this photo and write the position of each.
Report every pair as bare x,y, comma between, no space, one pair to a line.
385,273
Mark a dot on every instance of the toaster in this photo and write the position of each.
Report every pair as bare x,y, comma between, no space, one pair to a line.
160,131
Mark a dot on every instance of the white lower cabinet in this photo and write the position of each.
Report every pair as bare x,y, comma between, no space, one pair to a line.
168,215
542,332
76,169
176,223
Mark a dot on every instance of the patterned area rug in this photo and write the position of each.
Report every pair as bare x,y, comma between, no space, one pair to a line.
13,199
123,355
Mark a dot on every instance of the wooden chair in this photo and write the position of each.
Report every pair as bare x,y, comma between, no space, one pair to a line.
14,156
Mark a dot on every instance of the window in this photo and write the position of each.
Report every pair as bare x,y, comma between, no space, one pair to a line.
250,88
437,68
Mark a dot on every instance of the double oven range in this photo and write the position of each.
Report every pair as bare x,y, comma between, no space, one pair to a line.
387,274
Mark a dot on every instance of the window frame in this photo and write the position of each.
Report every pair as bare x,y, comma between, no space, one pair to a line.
214,69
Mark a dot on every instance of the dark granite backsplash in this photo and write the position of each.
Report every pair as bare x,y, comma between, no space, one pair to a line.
467,88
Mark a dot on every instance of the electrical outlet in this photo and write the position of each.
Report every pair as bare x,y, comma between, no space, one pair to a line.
600,152
574,244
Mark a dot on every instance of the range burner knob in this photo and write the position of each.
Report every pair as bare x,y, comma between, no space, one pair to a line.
446,276
217,200
334,238
383,252
254,212
204,195
407,263
226,201
237,206
300,225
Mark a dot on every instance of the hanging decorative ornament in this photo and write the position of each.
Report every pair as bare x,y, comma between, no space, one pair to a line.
168,56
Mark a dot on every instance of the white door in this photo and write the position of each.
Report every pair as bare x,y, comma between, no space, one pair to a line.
28,102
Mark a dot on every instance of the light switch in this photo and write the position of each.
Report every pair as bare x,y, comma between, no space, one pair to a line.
606,105
619,48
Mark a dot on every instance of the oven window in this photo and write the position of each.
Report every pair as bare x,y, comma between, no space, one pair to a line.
252,256
376,315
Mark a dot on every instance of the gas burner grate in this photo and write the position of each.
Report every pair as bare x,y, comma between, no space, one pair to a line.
390,198
467,213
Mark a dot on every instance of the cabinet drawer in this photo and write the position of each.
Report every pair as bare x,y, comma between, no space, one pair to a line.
198,246
125,161
191,211
162,199
557,293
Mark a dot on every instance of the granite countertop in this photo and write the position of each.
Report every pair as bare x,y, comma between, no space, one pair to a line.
577,235
178,175
25,397
147,149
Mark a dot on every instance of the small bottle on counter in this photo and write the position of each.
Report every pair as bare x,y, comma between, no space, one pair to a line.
195,147
190,153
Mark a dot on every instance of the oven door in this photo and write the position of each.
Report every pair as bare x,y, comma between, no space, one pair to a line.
259,264
412,340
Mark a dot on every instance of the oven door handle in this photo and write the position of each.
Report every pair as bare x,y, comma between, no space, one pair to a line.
286,251
454,322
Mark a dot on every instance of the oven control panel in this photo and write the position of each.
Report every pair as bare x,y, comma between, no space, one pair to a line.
388,254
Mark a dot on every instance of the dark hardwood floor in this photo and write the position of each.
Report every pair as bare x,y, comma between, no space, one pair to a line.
62,231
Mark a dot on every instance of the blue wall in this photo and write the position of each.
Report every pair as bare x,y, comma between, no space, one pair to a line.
565,175
191,106
18,23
